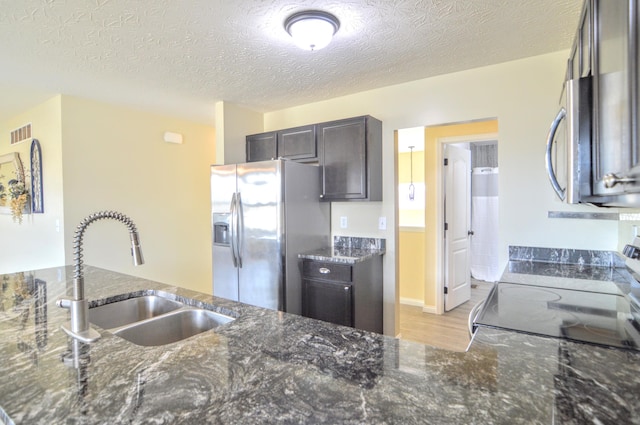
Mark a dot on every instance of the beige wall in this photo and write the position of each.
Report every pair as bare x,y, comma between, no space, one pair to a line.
233,124
115,158
411,240
523,95
36,243
98,156
411,271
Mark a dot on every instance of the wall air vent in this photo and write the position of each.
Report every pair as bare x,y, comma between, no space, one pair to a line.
21,134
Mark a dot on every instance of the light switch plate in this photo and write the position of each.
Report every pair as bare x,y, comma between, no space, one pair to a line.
382,223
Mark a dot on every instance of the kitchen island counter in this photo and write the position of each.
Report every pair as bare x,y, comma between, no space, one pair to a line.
273,367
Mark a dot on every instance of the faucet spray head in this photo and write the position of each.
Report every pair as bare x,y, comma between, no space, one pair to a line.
136,251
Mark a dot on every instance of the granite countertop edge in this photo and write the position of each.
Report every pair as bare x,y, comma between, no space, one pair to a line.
340,255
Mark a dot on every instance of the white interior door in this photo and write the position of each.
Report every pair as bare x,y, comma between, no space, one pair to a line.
458,221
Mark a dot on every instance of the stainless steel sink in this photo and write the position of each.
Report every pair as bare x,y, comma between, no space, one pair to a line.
172,327
151,320
132,310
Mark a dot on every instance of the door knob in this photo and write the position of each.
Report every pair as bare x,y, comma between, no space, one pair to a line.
470,233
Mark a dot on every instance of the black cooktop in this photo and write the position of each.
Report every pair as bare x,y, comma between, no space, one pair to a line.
591,317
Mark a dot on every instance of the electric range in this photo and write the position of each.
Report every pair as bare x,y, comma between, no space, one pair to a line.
605,317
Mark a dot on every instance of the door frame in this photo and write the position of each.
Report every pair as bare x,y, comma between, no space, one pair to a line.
440,195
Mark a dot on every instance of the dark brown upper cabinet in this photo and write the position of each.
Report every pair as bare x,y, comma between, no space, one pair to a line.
262,147
350,156
298,143
348,151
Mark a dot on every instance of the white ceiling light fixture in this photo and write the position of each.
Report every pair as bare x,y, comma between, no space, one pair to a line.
312,29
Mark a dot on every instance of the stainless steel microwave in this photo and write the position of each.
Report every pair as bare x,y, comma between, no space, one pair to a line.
593,146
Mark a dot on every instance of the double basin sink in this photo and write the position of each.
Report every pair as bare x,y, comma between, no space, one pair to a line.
154,319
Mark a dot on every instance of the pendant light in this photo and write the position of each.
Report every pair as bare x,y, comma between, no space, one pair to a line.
312,29
412,188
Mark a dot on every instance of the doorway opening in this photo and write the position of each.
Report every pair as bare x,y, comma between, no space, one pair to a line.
421,248
470,203
421,252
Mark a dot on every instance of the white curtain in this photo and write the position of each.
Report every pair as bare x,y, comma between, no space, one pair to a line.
484,223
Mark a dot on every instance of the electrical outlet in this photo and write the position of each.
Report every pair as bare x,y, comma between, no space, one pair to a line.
382,223
343,222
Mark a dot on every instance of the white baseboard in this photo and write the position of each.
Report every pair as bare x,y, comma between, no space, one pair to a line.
411,301
429,309
418,303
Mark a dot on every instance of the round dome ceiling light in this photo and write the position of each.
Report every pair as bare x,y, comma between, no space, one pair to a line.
312,29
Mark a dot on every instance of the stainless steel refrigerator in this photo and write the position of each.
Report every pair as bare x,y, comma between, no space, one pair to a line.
263,215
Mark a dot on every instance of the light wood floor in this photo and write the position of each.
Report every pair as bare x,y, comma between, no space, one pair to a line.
449,330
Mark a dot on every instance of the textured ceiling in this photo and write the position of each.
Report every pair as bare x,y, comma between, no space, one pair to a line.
180,57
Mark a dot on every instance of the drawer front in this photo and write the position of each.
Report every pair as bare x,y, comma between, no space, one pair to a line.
327,271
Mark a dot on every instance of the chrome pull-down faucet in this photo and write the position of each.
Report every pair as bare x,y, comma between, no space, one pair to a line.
79,306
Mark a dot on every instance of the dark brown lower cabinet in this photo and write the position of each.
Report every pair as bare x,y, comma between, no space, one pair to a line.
328,301
345,294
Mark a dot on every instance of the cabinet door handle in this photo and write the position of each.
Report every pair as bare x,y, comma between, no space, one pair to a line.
610,180
346,289
324,270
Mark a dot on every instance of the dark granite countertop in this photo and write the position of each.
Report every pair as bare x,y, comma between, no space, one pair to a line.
347,250
582,270
570,276
341,255
272,367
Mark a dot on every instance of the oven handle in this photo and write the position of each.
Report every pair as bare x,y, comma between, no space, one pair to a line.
475,311
552,134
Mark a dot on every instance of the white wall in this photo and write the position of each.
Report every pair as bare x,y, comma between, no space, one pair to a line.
115,158
524,96
35,243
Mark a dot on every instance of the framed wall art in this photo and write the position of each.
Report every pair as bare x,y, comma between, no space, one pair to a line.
37,204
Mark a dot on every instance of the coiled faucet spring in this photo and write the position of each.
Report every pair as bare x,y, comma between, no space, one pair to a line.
79,307
78,241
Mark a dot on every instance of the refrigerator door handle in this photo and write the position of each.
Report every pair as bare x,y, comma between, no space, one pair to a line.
240,228
232,229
